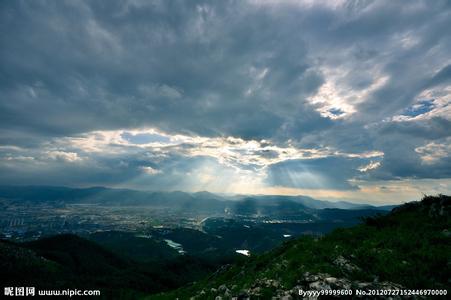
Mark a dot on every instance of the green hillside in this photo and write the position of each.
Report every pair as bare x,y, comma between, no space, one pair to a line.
68,261
133,247
410,248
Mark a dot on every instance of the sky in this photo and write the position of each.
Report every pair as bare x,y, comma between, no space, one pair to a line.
338,100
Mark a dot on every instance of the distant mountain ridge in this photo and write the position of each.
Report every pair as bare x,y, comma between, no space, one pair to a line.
181,200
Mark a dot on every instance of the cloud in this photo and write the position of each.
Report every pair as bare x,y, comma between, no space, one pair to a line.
94,94
433,153
150,170
371,166
64,156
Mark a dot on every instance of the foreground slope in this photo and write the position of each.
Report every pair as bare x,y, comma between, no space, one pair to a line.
68,261
408,248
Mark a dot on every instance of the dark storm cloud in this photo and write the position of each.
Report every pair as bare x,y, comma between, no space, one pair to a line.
247,69
181,66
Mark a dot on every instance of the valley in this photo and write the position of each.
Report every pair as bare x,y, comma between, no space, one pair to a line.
244,255
140,233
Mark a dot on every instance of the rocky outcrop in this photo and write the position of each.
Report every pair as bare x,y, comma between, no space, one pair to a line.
323,281
308,282
345,265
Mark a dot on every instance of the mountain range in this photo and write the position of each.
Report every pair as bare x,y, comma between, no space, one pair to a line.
199,202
